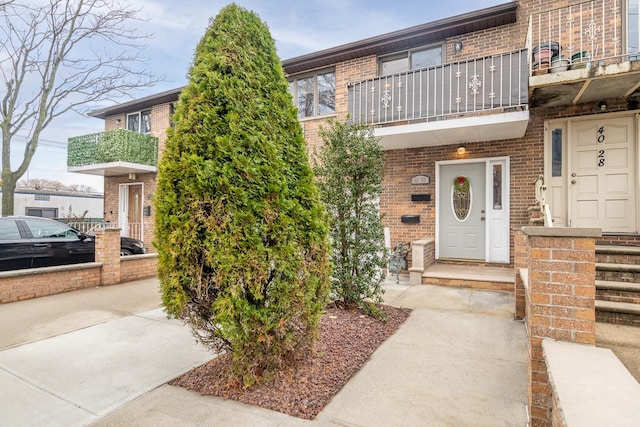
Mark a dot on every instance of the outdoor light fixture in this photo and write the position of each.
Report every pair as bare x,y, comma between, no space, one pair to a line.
458,46
602,105
461,150
118,120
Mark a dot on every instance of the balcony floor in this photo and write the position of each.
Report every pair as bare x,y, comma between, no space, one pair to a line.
584,85
112,169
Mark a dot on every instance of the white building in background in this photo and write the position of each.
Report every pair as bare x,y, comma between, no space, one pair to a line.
57,204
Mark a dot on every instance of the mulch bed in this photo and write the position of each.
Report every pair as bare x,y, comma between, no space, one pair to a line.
347,340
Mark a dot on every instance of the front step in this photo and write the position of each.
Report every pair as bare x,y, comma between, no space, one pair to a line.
620,313
465,276
618,284
618,272
618,291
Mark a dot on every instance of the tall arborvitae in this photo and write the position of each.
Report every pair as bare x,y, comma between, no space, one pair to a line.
241,232
350,176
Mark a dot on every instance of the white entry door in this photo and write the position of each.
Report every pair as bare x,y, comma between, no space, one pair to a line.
602,174
462,211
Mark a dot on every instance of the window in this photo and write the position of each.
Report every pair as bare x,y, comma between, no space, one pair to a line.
41,229
139,122
314,94
9,230
556,152
411,60
43,212
633,27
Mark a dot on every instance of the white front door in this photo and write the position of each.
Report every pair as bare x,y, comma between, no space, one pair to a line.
462,211
602,174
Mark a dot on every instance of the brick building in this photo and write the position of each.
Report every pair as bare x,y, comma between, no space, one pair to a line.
471,110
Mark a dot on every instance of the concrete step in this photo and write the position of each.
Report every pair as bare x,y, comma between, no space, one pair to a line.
466,276
617,286
627,268
620,313
607,290
618,272
618,249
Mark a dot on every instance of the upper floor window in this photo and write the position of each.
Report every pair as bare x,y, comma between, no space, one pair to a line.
410,60
314,94
633,27
139,122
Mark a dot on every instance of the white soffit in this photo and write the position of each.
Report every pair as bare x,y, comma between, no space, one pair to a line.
112,169
488,127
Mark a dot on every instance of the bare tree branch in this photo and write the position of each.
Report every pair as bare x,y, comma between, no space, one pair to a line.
60,57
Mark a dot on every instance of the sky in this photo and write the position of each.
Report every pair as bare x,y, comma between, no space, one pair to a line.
297,26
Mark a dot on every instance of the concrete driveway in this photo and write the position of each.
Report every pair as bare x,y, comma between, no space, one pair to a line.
102,357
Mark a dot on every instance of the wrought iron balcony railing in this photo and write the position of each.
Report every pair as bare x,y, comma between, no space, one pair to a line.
117,145
482,84
582,35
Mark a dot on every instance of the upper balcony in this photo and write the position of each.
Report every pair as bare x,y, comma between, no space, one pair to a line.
586,52
476,100
112,153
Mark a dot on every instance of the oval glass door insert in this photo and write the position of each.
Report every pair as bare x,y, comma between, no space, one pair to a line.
461,197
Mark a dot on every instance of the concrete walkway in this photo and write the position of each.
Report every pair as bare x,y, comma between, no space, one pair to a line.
102,357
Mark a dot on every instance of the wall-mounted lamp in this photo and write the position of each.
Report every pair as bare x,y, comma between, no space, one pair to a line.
461,150
602,106
458,46
118,120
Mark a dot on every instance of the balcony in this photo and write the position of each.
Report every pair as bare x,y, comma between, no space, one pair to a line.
477,100
582,53
112,153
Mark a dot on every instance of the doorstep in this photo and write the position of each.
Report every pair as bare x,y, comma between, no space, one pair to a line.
466,276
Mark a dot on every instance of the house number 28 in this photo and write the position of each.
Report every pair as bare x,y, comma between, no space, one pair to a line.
601,138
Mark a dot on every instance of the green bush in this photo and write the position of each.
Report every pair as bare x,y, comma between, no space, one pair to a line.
350,175
241,232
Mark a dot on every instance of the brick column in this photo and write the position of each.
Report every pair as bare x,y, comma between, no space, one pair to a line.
421,259
520,260
108,254
560,301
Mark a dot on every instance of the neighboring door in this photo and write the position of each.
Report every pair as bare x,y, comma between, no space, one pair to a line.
130,210
462,211
602,174
134,214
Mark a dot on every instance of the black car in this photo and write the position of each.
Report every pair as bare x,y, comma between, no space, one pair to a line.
30,242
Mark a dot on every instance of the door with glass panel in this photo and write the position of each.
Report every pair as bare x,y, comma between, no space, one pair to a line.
462,211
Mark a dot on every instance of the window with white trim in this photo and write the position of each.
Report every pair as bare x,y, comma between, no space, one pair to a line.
314,94
139,122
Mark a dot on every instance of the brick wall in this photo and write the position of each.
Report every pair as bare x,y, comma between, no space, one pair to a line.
559,299
33,283
27,284
138,267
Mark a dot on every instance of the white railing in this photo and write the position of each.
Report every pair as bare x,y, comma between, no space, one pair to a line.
541,199
583,34
135,230
482,84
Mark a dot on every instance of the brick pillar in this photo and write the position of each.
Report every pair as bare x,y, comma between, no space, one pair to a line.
108,254
560,301
520,260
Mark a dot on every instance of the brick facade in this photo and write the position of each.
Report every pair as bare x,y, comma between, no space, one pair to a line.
526,154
